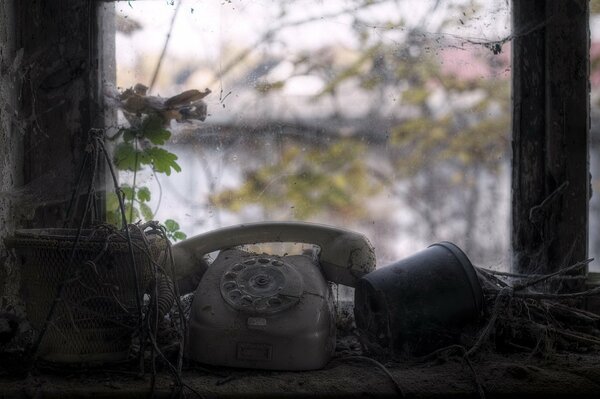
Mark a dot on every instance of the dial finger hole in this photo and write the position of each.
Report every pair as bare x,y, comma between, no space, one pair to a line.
246,300
260,304
230,276
238,267
274,302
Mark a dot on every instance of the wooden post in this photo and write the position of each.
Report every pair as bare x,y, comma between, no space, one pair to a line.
59,60
550,180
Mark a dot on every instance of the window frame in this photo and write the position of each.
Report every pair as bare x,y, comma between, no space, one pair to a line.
534,175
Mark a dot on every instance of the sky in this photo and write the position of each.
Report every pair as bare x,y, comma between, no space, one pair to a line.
205,28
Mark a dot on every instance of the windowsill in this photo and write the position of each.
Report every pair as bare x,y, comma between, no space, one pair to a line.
501,376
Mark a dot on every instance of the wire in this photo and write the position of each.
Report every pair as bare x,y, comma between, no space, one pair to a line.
381,366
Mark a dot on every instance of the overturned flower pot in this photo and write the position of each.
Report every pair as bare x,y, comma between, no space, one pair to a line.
420,303
91,280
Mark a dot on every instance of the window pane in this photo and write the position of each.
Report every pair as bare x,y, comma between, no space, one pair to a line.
387,117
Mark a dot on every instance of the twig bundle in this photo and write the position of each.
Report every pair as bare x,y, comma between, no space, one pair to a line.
521,318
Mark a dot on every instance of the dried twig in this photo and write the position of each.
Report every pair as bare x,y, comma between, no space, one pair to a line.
538,317
542,295
534,281
505,292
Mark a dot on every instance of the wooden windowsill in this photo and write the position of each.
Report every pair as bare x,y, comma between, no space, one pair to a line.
516,375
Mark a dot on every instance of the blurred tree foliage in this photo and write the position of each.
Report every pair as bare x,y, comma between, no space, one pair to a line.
308,181
455,129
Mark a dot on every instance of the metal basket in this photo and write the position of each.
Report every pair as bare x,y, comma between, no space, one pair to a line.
97,312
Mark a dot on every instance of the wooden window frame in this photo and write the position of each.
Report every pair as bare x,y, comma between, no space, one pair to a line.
550,190
66,54
550,136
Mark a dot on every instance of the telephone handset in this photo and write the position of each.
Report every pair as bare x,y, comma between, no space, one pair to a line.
344,255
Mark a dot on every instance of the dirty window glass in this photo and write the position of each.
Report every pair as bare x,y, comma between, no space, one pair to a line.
387,117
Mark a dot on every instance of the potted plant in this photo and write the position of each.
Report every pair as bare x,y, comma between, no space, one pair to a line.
84,287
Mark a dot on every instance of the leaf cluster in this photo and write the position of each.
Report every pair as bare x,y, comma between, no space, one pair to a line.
136,205
141,146
173,230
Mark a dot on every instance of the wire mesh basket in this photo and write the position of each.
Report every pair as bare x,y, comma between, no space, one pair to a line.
97,312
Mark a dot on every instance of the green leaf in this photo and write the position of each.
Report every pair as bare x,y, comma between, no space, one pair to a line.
143,194
152,129
113,217
171,225
129,135
163,160
129,208
179,235
127,192
112,202
125,157
146,211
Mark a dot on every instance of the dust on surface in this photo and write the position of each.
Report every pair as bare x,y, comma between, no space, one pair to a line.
566,374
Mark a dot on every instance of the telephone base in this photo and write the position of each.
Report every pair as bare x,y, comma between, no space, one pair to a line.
262,312
268,351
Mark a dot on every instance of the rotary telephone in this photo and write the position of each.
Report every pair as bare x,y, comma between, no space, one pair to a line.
268,311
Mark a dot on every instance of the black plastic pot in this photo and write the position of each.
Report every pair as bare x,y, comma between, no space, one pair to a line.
420,303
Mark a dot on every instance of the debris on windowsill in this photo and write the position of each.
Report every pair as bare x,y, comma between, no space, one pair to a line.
509,360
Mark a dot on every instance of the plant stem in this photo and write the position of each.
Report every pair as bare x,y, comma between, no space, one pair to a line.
136,278
134,179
